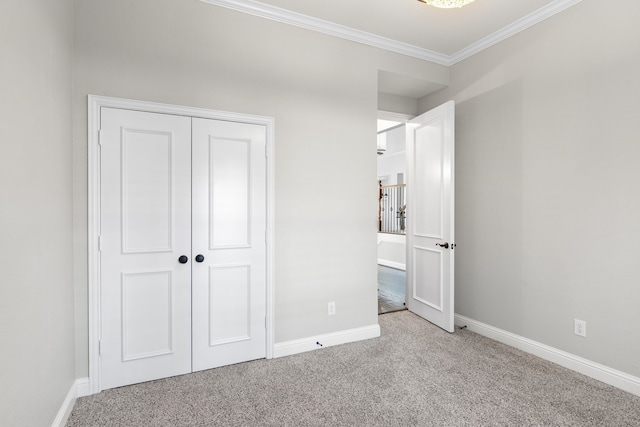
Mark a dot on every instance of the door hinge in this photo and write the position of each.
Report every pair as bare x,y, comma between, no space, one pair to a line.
99,243
100,137
99,348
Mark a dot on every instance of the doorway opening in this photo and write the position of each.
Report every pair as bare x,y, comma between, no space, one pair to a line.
392,284
392,208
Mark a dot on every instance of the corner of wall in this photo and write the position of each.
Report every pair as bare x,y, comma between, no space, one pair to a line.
79,388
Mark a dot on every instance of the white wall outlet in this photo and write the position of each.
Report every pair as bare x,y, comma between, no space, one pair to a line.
331,308
580,327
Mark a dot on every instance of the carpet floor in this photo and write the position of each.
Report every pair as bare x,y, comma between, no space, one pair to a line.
415,374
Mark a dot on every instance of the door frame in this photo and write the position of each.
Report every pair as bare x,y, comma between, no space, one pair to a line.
95,103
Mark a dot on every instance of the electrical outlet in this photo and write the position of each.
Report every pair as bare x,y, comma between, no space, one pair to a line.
580,327
331,308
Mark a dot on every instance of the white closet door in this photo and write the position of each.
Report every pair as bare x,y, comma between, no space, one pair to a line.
229,249
145,212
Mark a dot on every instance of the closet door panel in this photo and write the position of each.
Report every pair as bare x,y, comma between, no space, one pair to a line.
145,215
229,226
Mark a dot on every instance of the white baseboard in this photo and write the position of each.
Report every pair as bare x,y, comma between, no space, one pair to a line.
586,367
79,388
65,410
82,387
392,264
327,340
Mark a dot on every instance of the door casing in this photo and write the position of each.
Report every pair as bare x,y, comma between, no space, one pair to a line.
95,103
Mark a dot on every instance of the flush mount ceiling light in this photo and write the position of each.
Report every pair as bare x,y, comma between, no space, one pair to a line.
447,4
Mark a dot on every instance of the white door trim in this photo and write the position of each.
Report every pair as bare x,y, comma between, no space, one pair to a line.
95,103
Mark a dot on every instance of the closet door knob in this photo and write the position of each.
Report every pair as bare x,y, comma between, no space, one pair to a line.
199,258
445,245
183,259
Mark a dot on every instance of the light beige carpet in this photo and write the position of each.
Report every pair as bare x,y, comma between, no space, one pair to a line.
413,375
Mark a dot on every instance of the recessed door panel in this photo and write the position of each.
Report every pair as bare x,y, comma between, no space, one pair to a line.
428,182
147,314
427,278
230,192
229,304
147,198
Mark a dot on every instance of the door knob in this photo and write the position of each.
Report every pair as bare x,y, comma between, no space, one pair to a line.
444,245
199,258
183,259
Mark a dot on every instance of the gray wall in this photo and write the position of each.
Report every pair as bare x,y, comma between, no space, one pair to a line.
36,288
322,92
547,175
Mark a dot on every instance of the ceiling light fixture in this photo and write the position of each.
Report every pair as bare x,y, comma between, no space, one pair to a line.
447,4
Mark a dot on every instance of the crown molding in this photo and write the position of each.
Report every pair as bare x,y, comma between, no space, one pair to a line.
394,117
285,16
319,25
512,29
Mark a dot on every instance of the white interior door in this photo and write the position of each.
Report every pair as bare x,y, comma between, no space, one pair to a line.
430,225
229,243
182,245
145,214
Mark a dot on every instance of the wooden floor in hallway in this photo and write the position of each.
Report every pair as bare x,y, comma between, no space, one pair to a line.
391,289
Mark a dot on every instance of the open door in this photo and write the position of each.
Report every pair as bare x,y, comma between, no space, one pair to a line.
430,227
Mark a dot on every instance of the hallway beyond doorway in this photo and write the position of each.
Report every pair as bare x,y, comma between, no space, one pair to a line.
391,289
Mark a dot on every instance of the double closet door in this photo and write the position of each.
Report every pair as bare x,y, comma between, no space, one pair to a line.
182,245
